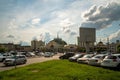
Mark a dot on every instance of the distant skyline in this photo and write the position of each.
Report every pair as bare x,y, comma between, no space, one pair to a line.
25,20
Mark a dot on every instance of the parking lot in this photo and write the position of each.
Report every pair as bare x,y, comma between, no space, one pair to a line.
29,61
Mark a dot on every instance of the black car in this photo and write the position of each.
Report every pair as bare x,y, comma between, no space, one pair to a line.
75,57
67,55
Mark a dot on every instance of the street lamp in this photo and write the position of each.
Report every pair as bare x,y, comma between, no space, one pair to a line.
107,42
15,59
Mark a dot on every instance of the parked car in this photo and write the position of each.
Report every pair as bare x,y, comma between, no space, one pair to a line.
85,58
3,56
18,59
96,60
40,54
48,54
112,60
30,54
75,57
67,55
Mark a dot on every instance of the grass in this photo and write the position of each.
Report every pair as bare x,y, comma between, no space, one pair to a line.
59,70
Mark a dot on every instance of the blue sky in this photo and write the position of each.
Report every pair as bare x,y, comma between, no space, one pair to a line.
25,20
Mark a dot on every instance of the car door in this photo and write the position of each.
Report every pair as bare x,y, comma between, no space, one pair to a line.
18,60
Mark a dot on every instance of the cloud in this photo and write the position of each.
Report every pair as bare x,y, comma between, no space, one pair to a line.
73,33
24,43
115,36
47,37
101,17
10,36
90,12
45,18
35,21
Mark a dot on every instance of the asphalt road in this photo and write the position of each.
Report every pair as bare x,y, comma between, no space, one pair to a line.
29,61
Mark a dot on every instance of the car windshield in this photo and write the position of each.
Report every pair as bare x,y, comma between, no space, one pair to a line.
77,55
11,57
98,56
87,56
1,54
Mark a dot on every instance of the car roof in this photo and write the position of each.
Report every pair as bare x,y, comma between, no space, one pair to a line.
101,54
20,55
114,54
89,54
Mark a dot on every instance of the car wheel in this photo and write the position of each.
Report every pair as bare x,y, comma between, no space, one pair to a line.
24,62
3,59
118,66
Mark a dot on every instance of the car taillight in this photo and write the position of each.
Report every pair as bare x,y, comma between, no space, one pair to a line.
114,60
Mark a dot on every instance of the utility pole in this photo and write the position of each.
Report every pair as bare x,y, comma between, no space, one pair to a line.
108,44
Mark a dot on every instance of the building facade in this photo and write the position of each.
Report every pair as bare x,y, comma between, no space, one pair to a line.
71,47
10,46
37,45
15,47
87,38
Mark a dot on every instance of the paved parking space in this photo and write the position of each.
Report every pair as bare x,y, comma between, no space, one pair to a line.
29,61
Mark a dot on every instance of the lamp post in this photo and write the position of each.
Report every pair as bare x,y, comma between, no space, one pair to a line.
15,59
107,42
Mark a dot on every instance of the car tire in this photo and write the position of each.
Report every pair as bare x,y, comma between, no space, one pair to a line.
24,62
3,59
118,66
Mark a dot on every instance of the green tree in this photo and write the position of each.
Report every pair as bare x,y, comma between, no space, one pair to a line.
81,49
118,48
3,49
60,41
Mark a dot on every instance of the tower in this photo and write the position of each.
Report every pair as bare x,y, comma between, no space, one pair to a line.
87,38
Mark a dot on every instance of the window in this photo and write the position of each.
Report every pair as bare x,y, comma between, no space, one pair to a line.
111,57
119,56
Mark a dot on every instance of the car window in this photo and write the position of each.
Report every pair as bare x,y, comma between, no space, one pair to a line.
12,57
97,56
119,56
103,57
88,56
22,57
85,56
111,57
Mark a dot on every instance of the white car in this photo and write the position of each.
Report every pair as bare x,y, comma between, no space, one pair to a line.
96,60
85,58
18,59
112,60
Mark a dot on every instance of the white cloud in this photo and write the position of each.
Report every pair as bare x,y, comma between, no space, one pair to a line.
36,21
25,23
115,36
101,17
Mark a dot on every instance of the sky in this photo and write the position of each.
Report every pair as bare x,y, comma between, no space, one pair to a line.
24,20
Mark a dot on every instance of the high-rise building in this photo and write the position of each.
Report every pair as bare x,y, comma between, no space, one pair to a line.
87,38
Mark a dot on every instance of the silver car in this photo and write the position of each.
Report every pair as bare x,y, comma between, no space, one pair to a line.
18,59
3,56
48,54
85,58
